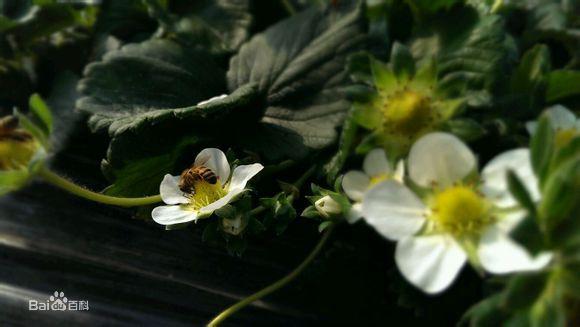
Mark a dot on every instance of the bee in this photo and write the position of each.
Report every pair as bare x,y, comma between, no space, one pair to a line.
193,174
9,130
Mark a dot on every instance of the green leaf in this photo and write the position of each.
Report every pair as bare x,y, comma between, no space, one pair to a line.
468,59
141,82
532,68
486,313
547,15
145,96
42,112
466,129
542,147
529,79
523,290
563,84
529,234
217,25
141,154
324,225
298,64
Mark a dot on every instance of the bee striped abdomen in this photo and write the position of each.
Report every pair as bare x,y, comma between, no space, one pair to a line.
195,174
9,130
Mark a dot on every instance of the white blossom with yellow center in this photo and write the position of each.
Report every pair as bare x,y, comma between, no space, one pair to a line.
376,169
207,198
564,123
454,220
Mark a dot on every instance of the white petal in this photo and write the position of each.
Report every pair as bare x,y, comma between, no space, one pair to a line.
399,174
440,158
499,254
210,208
509,221
219,97
430,262
376,163
170,192
355,213
393,210
242,174
531,127
560,117
170,215
355,183
215,160
494,175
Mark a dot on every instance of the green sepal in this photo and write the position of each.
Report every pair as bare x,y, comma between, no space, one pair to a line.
542,147
280,212
402,62
384,77
11,180
520,193
367,115
561,197
42,112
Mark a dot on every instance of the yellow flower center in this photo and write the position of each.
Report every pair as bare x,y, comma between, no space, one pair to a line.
205,194
379,178
407,113
16,154
460,211
564,136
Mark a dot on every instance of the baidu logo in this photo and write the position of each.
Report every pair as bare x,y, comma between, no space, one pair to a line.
58,302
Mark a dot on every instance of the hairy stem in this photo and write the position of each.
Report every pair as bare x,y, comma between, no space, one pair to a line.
82,192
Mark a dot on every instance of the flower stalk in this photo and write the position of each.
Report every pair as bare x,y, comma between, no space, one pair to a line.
82,192
276,285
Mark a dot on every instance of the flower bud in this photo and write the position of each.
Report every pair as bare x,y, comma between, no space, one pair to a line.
327,206
234,226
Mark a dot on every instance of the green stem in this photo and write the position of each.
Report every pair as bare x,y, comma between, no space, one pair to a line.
73,188
288,6
276,285
496,6
300,181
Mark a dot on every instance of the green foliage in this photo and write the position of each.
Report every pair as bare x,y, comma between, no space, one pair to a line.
298,65
471,60
528,81
279,212
563,85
